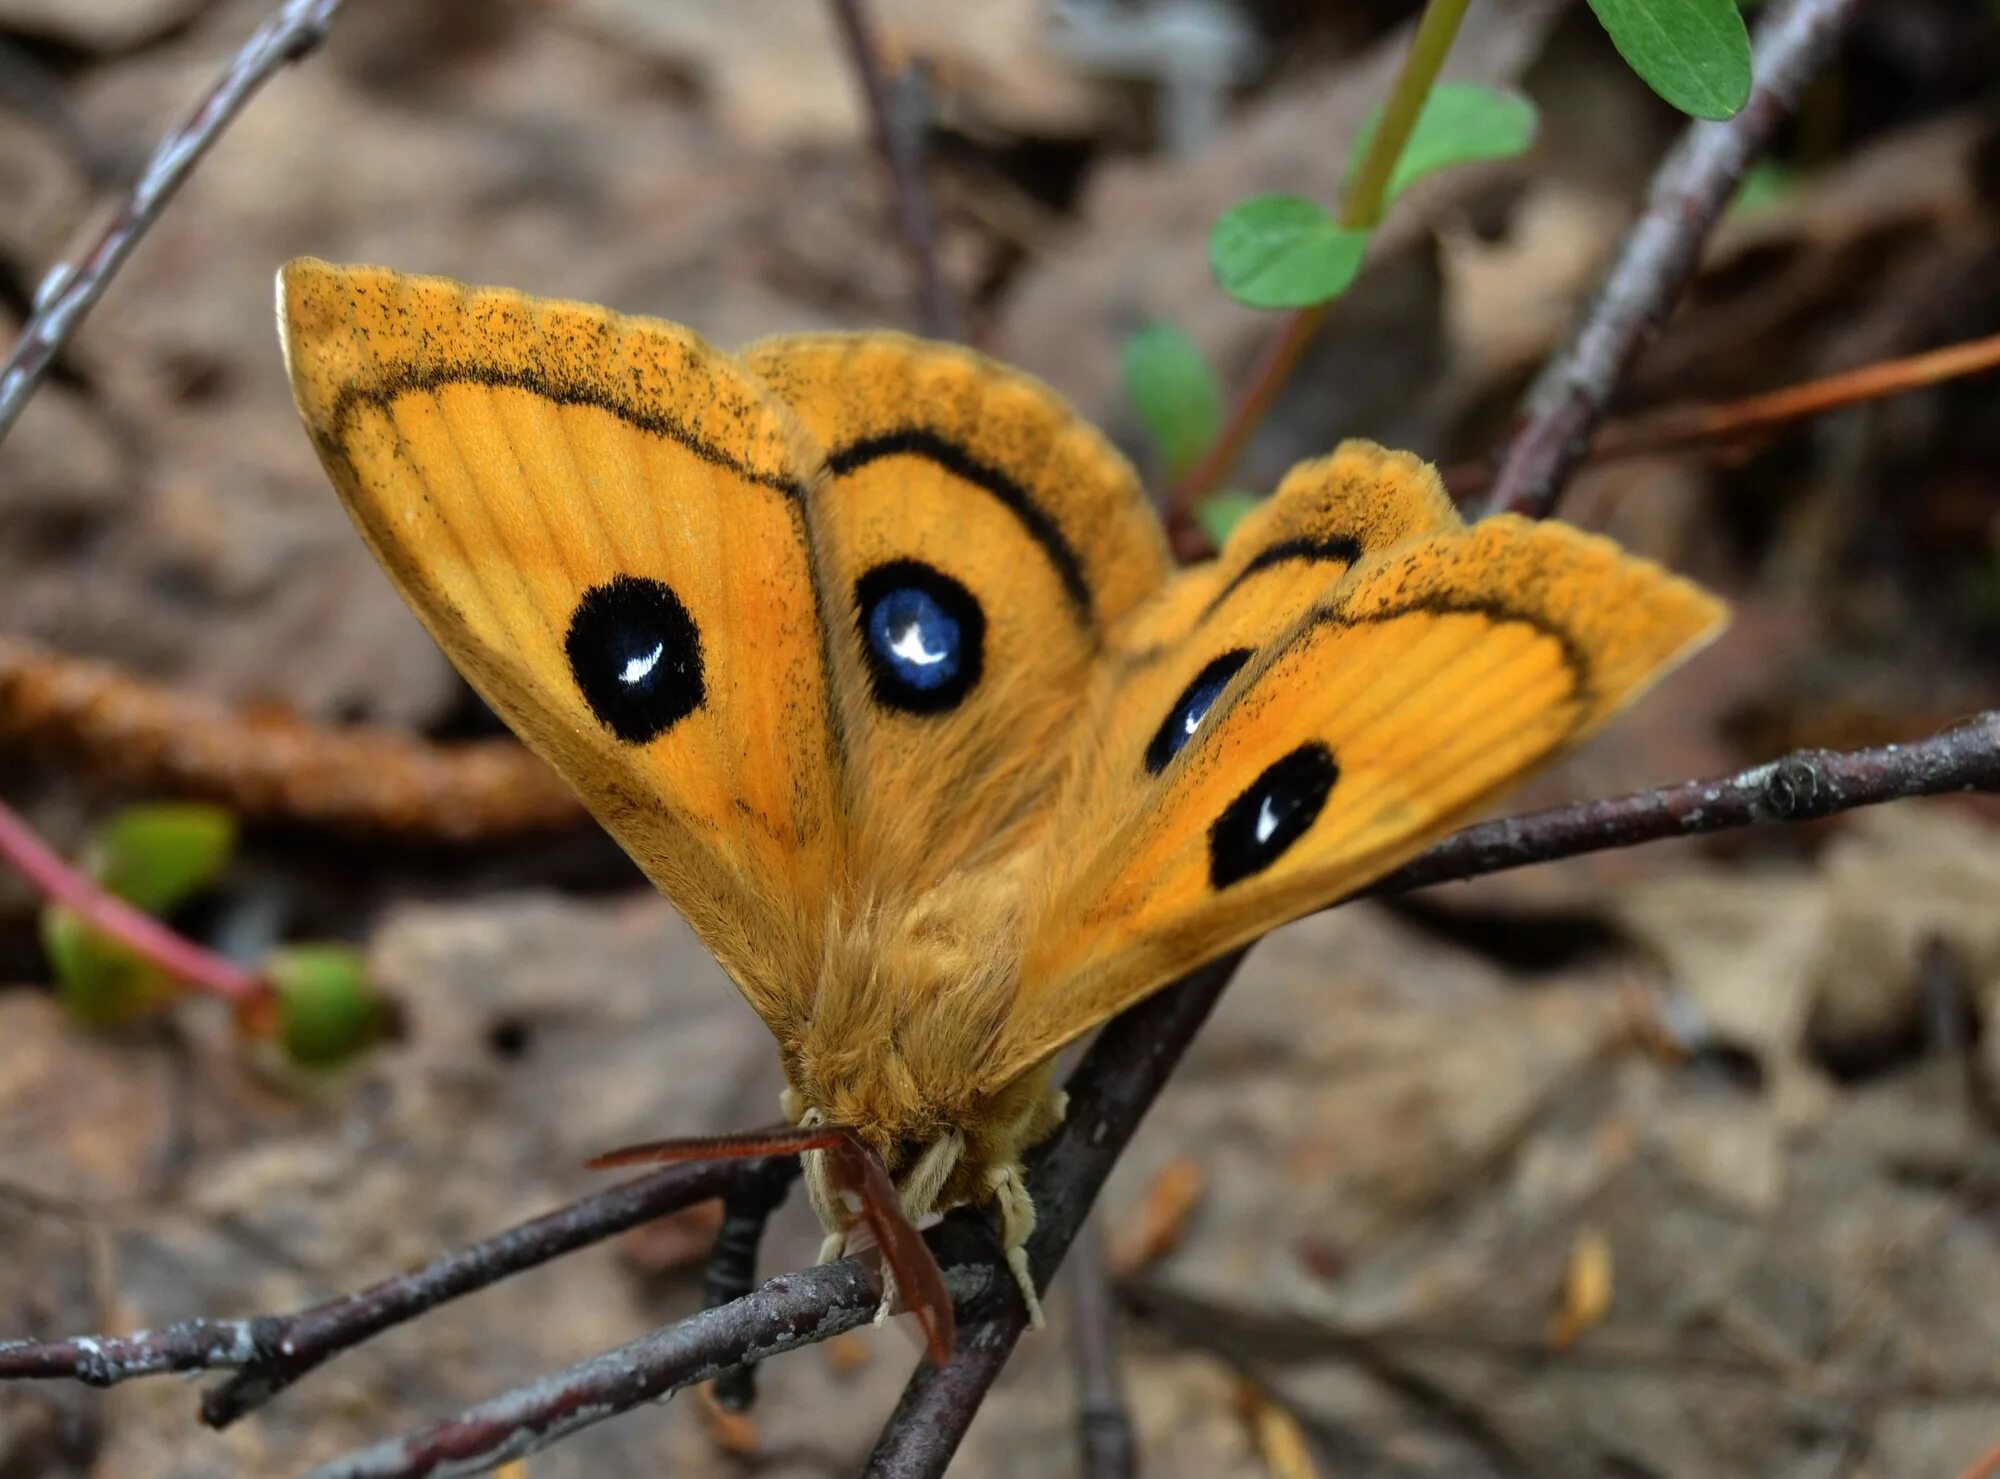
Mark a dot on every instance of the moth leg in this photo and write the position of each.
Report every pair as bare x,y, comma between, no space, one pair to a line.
1017,1225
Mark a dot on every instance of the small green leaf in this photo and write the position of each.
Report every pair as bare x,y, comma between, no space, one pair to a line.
327,1011
155,857
1283,251
1461,123
1175,393
97,978
1765,184
1693,53
1219,513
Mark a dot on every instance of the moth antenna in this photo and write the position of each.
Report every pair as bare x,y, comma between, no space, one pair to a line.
855,1168
780,1141
911,1263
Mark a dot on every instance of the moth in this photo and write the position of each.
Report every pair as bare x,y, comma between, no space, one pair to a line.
870,652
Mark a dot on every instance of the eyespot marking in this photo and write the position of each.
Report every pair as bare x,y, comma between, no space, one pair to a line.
636,656
923,635
1272,813
1185,717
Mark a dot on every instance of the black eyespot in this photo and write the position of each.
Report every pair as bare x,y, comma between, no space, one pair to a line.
634,651
923,633
1185,717
1255,829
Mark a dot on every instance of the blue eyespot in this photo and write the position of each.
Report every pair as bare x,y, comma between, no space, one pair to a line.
1185,717
636,656
912,633
922,634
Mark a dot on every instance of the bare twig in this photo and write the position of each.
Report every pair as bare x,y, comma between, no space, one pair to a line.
270,1352
1800,787
1694,184
898,132
732,1266
1104,1423
69,292
1674,428
307,1339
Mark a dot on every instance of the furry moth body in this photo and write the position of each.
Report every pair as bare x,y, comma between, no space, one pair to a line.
870,653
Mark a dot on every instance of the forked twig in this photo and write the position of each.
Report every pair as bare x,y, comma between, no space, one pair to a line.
71,289
1692,187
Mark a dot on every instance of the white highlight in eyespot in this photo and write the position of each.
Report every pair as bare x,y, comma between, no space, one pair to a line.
1267,821
1193,721
909,646
637,668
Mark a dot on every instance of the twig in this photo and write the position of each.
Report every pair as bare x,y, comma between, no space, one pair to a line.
1676,427
1104,1422
732,1266
1693,186
270,1352
69,292
898,133
305,1340
133,928
1800,787
264,763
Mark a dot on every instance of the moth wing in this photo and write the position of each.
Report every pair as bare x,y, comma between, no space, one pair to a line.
978,545
602,521
1427,680
1327,515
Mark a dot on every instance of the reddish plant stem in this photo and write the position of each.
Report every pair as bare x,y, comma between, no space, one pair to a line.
133,928
1677,427
1692,188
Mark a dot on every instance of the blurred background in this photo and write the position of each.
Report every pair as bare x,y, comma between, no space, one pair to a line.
1744,1081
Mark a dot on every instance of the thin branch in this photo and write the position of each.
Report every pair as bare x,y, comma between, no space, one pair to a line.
191,964
1693,186
1674,428
732,1266
306,1340
1104,1421
270,1352
897,127
1800,787
69,292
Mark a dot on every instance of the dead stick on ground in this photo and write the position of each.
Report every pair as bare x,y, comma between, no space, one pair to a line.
1659,255
69,292
899,140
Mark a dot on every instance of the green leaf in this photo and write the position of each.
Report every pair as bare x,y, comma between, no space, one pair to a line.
1765,184
97,978
1219,513
155,857
1693,53
1175,393
1283,251
327,1010
1461,123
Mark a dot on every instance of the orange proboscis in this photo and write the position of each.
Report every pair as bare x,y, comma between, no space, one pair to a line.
855,1168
